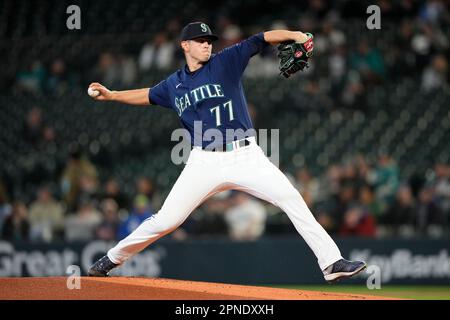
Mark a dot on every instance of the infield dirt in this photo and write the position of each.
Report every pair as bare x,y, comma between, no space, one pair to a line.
125,288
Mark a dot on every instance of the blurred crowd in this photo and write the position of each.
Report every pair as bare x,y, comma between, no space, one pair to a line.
356,198
360,197
79,208
412,42
363,199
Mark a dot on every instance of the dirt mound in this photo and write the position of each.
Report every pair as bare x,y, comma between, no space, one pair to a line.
123,288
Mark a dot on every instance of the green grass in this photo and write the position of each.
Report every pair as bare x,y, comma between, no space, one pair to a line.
409,292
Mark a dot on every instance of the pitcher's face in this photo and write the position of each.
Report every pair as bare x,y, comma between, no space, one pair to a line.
199,49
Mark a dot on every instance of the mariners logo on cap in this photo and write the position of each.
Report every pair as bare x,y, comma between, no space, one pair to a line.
196,30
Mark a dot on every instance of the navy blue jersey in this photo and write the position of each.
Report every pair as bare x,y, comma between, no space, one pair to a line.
212,94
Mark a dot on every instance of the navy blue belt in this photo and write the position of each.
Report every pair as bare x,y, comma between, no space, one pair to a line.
230,146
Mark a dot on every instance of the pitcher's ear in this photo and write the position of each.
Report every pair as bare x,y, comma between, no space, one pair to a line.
184,45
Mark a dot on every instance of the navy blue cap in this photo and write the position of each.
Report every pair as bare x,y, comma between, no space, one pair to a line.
197,30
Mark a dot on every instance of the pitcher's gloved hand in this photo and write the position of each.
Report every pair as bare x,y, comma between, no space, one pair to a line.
294,56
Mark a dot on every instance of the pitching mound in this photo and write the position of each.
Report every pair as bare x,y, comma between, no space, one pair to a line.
122,288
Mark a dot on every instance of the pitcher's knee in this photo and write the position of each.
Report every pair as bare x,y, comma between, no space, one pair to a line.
287,195
161,223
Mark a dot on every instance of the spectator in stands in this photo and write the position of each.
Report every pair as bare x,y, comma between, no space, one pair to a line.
329,39
407,8
5,207
337,70
331,181
34,128
88,185
16,226
351,176
35,131
428,216
81,226
369,203
308,186
345,199
49,143
246,218
441,184
76,167
128,70
387,8
400,59
435,75
362,167
385,179
58,80
326,220
108,69
46,216
158,54
266,63
173,28
422,46
432,10
315,96
400,215
358,222
211,220
112,191
107,230
145,187
262,67
354,92
141,210
232,34
32,79
368,62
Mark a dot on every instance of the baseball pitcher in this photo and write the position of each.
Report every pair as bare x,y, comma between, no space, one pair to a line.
208,94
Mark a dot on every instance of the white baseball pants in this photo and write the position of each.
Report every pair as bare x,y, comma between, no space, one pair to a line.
207,173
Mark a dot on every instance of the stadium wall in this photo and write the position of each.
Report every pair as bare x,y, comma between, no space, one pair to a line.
268,261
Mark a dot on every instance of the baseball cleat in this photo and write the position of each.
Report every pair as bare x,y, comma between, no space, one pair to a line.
343,269
102,267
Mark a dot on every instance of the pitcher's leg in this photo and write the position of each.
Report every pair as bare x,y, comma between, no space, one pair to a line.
307,226
266,181
194,185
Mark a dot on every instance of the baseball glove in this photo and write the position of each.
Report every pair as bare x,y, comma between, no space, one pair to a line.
294,56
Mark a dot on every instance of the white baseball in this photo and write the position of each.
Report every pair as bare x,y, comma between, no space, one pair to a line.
93,93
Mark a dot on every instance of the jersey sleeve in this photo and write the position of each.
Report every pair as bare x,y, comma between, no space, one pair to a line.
159,94
238,55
